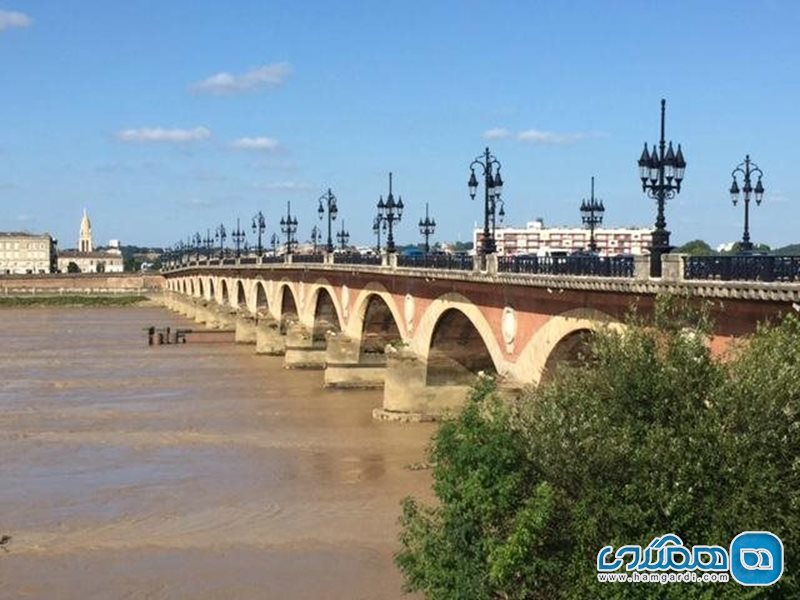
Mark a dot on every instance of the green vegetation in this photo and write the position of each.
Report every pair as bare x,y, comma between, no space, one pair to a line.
72,267
69,300
648,435
696,248
701,248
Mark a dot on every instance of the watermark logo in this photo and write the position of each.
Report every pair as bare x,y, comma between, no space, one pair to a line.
756,558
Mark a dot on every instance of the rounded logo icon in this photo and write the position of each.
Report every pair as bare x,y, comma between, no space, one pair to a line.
756,558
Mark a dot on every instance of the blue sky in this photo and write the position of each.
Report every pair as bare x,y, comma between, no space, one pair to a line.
166,118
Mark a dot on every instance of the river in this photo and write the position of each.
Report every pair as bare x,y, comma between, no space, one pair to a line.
193,471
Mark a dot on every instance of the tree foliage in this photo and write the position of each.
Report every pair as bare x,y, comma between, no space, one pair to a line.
649,435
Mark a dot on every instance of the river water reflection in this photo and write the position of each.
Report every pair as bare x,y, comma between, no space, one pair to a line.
196,471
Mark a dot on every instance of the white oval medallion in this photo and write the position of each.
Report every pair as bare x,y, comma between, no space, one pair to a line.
509,328
345,301
408,312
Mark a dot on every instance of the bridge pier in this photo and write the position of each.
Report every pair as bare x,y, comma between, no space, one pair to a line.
245,329
346,367
302,351
406,394
269,339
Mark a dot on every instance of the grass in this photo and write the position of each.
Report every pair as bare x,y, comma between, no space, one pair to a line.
70,300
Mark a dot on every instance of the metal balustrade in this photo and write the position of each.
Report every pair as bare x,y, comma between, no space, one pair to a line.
272,259
597,266
436,261
307,258
742,268
356,259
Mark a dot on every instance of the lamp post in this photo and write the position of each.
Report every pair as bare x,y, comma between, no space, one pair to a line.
330,207
209,242
390,211
238,236
197,244
289,227
493,188
376,229
343,237
316,236
661,173
221,235
592,215
746,169
274,240
427,227
259,226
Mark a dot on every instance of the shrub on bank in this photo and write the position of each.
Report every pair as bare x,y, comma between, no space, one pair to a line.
648,435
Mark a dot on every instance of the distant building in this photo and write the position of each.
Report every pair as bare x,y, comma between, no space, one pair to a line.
86,258
26,253
535,238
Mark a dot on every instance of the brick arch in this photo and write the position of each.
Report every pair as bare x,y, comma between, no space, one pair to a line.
423,335
532,360
201,291
239,296
285,298
310,308
211,291
355,322
190,285
260,297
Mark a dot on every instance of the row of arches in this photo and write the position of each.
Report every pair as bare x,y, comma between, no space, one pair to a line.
451,340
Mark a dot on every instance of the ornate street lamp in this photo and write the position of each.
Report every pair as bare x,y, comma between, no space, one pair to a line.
209,242
661,173
197,243
238,236
259,226
746,169
493,188
390,211
330,207
427,227
274,241
343,237
221,235
592,215
289,227
316,236
376,229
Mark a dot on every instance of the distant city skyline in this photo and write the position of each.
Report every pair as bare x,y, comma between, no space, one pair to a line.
163,119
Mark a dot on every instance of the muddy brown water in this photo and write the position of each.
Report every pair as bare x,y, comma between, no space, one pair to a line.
195,471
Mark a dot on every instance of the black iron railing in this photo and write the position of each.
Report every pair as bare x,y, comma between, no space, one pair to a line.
248,260
436,261
356,259
272,259
307,258
228,261
598,266
742,268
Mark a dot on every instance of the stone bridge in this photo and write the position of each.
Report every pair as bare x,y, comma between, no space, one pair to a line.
422,334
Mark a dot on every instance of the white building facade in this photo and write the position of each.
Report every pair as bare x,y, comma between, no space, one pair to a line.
88,259
26,253
537,239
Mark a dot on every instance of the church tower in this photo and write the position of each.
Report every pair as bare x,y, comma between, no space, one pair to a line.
85,240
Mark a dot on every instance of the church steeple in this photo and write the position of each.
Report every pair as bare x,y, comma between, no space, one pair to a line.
85,243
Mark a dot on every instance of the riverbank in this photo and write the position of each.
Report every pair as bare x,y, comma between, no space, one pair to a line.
74,300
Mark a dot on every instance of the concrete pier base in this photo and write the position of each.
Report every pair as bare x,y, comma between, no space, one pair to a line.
407,397
245,329
346,368
302,351
268,337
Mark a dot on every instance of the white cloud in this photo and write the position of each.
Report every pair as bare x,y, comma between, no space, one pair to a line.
286,186
231,83
256,143
10,19
159,134
199,202
497,133
536,136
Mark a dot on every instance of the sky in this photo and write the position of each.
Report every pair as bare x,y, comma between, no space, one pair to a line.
163,119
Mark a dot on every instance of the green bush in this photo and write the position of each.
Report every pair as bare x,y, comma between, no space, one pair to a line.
650,435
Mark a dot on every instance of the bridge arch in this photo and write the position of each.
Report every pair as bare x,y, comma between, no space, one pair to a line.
212,295
288,306
224,294
457,351
240,297
355,323
261,298
191,286
200,291
559,339
326,314
379,327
